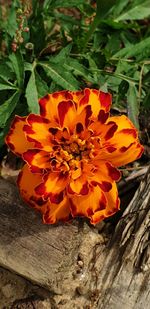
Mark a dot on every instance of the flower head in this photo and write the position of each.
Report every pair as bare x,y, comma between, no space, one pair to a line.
72,151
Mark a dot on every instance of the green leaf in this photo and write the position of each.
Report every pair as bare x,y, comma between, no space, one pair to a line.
62,55
103,8
8,107
78,69
42,87
140,11
119,6
6,71
5,86
60,76
11,24
18,66
66,3
133,105
135,49
31,95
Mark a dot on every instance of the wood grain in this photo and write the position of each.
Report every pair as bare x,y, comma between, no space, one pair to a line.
81,267
33,250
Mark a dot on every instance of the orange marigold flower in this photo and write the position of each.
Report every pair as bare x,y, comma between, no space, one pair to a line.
72,151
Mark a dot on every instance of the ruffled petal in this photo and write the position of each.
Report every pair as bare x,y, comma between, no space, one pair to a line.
83,118
112,205
53,186
60,212
16,139
78,186
67,114
37,159
97,99
87,205
49,104
38,131
123,146
104,175
27,181
104,131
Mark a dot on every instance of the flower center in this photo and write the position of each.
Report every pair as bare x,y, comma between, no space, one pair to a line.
69,154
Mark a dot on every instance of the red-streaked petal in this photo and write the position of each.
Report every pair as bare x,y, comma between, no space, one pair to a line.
37,130
125,155
87,205
49,104
112,205
123,147
67,114
53,186
104,175
37,158
104,131
27,181
78,186
125,134
51,212
83,117
60,212
97,99
16,139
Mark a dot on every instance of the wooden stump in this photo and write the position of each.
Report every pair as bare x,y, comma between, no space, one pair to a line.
80,266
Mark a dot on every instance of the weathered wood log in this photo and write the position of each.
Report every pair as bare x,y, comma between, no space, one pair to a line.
82,267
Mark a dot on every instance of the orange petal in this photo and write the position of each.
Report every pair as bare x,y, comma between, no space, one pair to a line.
16,139
83,118
37,130
104,131
123,147
104,174
78,186
49,104
37,159
97,99
112,205
59,212
27,181
88,204
53,186
67,114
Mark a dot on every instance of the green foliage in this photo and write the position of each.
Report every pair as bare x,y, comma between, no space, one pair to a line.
61,44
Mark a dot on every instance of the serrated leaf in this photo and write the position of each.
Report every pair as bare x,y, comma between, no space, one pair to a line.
135,49
60,76
62,55
133,105
31,95
78,69
140,11
18,66
8,107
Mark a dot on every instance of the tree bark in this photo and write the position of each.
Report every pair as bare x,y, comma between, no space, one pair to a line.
81,266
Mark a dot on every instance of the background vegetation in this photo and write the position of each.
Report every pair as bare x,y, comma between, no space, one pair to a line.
52,45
